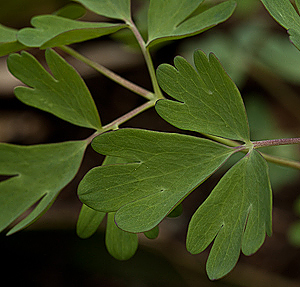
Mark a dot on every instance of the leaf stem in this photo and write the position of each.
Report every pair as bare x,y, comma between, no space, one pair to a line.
275,142
109,74
147,57
116,123
281,161
257,144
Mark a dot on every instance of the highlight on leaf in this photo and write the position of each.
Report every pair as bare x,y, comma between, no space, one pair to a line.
235,216
161,170
207,99
64,94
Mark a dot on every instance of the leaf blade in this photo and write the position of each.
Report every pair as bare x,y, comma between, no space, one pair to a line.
241,199
88,221
116,9
203,105
285,14
38,174
8,41
167,20
53,31
120,244
64,95
159,174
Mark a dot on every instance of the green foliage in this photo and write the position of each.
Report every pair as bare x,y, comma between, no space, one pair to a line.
53,31
120,244
237,214
88,221
71,11
38,175
208,101
8,41
162,169
117,9
163,26
64,94
146,174
285,14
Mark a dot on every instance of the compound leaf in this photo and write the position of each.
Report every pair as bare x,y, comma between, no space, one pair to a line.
208,100
64,94
120,244
8,41
162,169
236,215
116,9
168,19
38,173
88,221
53,31
285,14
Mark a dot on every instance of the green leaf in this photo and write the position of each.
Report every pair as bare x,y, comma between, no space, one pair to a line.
208,101
64,94
71,11
8,41
167,20
120,244
53,31
236,215
153,233
38,173
177,211
88,221
162,169
285,14
116,9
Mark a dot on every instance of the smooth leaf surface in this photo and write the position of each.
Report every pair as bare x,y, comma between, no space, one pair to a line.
236,215
168,19
53,31
285,14
64,94
162,169
153,233
38,173
116,9
88,221
8,41
120,244
71,11
207,99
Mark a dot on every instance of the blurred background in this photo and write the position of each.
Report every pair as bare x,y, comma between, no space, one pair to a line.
257,54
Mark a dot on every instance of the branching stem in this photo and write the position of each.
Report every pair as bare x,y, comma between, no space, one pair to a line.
148,59
257,144
109,74
116,123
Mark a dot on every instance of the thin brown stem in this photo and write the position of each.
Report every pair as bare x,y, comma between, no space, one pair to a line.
275,142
